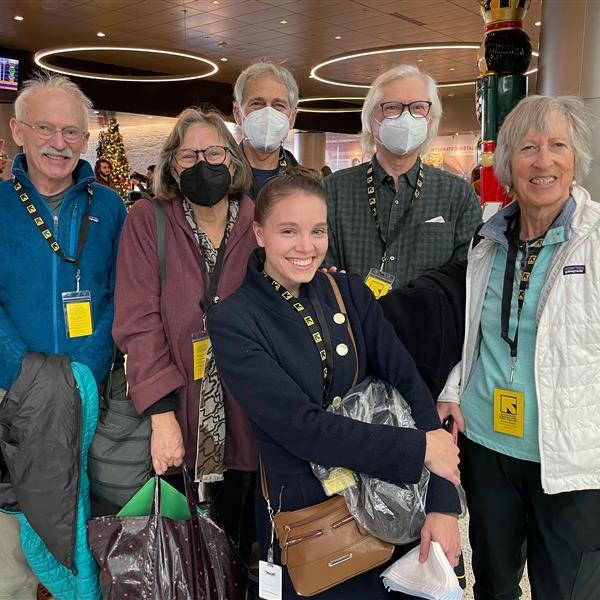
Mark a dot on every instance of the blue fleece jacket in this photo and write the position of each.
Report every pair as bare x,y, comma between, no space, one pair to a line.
33,277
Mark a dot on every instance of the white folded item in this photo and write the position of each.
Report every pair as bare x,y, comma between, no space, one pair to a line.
434,579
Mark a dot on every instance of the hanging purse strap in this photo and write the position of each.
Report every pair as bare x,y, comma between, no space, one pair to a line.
342,309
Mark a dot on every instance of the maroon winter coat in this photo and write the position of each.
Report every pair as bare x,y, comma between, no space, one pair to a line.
154,326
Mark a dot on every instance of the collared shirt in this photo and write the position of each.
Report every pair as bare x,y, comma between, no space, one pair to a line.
492,368
435,230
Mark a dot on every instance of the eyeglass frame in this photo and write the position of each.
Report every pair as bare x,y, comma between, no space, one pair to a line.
201,151
406,106
35,126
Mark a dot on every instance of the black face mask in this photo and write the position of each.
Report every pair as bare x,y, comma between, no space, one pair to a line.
205,184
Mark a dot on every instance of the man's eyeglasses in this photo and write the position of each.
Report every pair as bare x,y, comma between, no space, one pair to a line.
46,131
213,155
392,110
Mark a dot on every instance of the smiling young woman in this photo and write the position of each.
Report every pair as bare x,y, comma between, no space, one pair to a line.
284,350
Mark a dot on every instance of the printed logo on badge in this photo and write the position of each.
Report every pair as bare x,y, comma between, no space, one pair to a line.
574,270
509,412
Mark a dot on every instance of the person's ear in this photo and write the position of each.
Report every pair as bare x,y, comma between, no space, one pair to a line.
237,113
17,131
258,233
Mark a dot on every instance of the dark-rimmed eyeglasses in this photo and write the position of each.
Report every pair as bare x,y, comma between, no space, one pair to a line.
45,131
213,155
418,109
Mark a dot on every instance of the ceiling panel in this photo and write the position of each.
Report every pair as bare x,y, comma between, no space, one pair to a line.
242,30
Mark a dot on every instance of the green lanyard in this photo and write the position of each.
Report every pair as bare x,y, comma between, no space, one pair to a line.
308,321
372,199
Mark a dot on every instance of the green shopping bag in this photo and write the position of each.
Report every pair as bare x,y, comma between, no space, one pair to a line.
173,504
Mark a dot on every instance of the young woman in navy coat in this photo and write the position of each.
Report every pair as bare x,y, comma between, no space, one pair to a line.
269,361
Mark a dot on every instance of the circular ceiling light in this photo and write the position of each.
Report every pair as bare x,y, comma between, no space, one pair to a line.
329,99
395,49
42,54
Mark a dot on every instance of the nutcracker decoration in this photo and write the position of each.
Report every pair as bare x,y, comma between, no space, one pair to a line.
504,58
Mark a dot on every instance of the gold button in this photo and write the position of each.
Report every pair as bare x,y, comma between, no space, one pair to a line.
336,402
339,318
341,349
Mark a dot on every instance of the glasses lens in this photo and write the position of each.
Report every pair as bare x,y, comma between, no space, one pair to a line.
185,158
392,110
419,109
44,130
71,134
215,155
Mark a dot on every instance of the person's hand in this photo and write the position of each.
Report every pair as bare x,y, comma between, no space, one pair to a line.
451,409
166,443
442,529
441,455
331,270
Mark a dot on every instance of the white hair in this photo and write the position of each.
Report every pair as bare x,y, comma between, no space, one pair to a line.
50,81
534,113
374,98
260,68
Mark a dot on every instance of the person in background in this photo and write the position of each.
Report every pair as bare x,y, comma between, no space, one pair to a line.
325,171
85,221
267,348
355,161
526,393
265,104
200,182
476,179
103,172
394,214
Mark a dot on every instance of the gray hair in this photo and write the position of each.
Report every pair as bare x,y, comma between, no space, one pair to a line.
260,68
374,98
44,80
534,113
165,184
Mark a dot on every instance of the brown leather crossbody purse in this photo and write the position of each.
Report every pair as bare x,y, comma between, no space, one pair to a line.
322,545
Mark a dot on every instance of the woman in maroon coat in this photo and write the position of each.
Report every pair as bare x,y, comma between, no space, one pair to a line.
160,325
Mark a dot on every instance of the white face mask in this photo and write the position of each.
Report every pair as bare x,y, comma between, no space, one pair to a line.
266,128
402,135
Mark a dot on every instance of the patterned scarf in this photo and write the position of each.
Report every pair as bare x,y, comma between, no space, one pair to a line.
210,452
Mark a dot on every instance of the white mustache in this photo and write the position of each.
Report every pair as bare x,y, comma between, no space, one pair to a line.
64,153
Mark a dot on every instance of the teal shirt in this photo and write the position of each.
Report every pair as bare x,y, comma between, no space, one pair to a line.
493,366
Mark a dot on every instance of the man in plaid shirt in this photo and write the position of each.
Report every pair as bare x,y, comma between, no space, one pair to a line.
396,214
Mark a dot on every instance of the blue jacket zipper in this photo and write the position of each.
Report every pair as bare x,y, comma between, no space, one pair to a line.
55,287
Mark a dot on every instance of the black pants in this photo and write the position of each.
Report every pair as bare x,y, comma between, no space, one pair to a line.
511,517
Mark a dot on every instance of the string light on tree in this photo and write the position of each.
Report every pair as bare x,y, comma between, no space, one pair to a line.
110,146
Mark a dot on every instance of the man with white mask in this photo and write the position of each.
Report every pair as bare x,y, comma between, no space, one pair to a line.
394,217
265,102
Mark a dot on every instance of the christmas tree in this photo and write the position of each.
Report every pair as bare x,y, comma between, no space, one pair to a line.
110,146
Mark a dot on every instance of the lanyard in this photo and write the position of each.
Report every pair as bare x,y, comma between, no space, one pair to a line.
532,251
36,217
310,323
372,199
211,298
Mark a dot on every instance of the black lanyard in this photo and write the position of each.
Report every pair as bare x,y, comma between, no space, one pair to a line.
532,251
211,299
372,199
315,332
45,231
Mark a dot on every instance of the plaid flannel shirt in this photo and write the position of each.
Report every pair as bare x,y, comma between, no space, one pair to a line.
435,230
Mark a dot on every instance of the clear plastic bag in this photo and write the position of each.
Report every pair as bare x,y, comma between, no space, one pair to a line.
391,512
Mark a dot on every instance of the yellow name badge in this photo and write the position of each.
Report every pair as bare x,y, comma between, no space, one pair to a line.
379,282
509,412
200,350
339,479
77,309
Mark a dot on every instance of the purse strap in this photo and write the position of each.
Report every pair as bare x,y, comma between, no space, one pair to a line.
342,308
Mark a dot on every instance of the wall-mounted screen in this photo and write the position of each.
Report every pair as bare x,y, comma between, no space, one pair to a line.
9,74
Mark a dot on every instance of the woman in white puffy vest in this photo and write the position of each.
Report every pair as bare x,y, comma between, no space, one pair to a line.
527,392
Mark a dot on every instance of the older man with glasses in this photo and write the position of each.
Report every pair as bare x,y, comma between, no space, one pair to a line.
59,234
394,217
